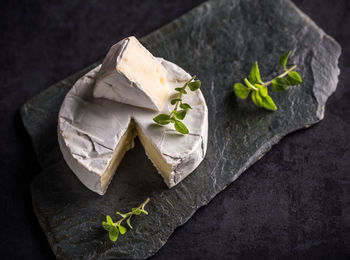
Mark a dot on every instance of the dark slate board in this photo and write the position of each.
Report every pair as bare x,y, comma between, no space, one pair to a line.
218,41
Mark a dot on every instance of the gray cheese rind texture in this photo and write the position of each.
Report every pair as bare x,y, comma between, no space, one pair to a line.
218,41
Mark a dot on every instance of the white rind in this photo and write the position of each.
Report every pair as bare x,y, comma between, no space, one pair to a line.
90,129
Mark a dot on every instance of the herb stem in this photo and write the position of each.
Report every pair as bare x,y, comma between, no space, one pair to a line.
180,96
175,116
280,76
250,85
129,214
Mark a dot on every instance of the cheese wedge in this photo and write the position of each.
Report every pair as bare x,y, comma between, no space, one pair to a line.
131,75
94,134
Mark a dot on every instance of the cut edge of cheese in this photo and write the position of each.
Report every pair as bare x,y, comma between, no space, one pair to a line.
175,169
130,74
100,182
163,168
125,144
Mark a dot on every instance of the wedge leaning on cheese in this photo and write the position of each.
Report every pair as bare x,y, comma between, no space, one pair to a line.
95,133
131,75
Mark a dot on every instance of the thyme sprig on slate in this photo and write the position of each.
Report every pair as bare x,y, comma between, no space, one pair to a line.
176,115
114,228
258,88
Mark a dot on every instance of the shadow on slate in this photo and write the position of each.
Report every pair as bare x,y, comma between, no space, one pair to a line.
218,41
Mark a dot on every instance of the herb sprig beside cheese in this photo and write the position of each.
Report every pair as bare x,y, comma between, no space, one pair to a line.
175,116
114,228
258,88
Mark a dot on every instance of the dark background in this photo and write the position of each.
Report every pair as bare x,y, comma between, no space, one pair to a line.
293,203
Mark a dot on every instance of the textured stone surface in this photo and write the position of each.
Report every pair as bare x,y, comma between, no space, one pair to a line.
220,40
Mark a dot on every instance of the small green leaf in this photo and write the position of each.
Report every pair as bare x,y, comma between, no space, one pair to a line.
172,119
257,98
277,88
262,90
180,114
180,127
181,90
106,226
254,76
173,101
280,84
294,78
185,106
268,103
109,220
144,211
194,85
137,211
128,222
284,59
162,119
113,234
241,91
122,229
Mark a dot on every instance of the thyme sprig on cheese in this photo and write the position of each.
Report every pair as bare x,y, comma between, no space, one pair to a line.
176,115
258,88
114,228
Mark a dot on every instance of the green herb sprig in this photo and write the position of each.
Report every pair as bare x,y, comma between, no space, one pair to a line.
114,228
258,88
176,115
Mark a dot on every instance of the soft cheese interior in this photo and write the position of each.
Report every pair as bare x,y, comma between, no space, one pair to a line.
131,75
94,134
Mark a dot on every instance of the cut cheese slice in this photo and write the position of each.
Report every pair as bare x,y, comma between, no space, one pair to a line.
94,134
131,75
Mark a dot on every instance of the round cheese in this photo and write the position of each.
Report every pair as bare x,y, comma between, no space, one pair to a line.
95,133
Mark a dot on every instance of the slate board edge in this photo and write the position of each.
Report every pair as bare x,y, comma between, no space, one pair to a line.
26,105
252,160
